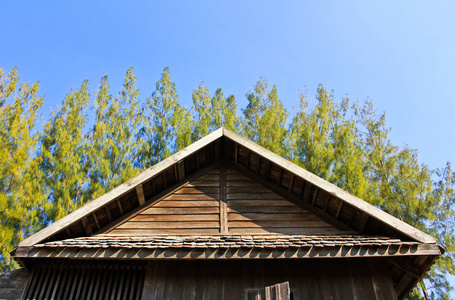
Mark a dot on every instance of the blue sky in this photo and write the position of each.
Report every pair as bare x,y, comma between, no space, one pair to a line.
399,54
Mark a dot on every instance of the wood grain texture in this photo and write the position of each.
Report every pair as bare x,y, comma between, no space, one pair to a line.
322,279
254,209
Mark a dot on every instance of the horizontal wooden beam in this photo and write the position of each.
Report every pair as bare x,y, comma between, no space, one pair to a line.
228,253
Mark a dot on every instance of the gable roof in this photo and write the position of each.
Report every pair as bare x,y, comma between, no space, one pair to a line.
363,229
242,152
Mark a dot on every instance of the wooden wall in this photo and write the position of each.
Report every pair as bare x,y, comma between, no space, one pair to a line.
85,280
309,279
12,284
227,202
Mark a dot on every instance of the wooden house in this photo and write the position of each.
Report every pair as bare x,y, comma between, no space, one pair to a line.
226,219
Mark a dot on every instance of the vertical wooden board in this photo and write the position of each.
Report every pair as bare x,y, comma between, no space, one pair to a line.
111,274
55,283
332,279
161,277
257,267
309,279
88,282
63,283
101,284
139,284
213,287
148,290
121,284
189,273
93,282
382,283
172,285
236,280
32,285
298,186
362,282
45,284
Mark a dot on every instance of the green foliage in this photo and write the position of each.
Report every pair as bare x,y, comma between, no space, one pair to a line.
63,157
211,113
265,118
325,141
113,146
21,195
167,125
47,173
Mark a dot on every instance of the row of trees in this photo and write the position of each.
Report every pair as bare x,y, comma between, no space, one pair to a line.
96,141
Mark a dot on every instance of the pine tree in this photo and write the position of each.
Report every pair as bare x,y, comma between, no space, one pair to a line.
21,195
63,155
167,125
112,144
265,118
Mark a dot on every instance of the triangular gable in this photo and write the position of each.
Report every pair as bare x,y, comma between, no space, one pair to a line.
223,201
282,176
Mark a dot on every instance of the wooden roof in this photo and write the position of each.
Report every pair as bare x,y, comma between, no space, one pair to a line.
220,198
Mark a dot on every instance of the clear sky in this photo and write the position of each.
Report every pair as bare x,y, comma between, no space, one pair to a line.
401,54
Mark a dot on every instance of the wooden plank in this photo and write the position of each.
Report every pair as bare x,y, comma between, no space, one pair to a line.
181,170
168,225
358,203
192,197
236,152
43,285
209,177
174,218
327,202
251,196
200,190
314,197
291,183
279,224
202,183
156,199
96,221
108,213
266,209
222,202
236,203
298,230
295,199
236,183
273,216
235,253
339,209
185,203
256,189
122,189
181,210
150,280
119,205
176,231
140,194
86,225
235,175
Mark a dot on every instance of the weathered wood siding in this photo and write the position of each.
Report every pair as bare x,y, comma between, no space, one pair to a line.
308,279
86,280
224,201
12,284
193,209
254,209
